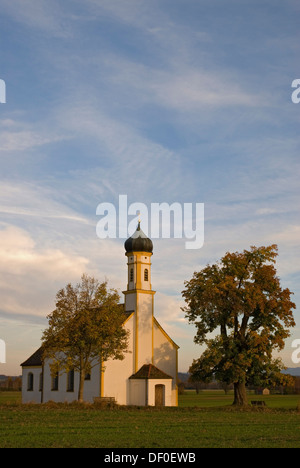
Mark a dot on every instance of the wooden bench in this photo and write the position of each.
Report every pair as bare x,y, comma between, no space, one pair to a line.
258,403
105,400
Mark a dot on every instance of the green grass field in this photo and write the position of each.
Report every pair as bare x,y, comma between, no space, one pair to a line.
217,398
204,420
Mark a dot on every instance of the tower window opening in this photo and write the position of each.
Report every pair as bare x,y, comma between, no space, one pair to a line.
131,275
146,275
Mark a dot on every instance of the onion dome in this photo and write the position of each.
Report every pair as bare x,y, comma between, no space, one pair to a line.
138,242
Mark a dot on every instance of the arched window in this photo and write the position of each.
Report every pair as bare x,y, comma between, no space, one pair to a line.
70,381
30,382
131,275
54,383
146,275
41,382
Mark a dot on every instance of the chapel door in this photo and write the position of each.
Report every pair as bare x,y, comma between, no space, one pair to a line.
159,395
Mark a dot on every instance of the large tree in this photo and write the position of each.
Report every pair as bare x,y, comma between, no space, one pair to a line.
242,315
85,329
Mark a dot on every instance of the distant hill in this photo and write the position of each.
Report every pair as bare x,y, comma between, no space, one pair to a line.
295,371
5,377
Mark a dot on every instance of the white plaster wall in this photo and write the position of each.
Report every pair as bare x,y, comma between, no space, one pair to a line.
137,392
165,358
91,387
117,373
145,264
35,395
130,301
145,329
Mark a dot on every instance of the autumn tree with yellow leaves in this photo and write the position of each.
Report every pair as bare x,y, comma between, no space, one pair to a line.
242,315
85,329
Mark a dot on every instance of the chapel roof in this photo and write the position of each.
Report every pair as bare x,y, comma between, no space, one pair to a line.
36,359
149,371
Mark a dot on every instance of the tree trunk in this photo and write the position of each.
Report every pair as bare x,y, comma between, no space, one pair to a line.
81,385
240,394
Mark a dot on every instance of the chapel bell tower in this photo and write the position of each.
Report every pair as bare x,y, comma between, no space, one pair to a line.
139,296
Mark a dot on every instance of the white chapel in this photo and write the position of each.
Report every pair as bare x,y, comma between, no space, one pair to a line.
147,375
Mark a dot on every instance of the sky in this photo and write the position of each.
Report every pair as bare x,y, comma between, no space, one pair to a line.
185,101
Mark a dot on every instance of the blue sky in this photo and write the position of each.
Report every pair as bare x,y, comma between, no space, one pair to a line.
165,101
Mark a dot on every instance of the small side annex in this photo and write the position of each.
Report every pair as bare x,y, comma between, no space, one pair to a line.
151,386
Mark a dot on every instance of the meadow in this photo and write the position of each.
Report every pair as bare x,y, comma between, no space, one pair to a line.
206,420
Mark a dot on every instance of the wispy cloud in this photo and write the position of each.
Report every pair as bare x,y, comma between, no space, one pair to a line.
38,14
123,154
34,201
164,103
181,85
30,274
23,140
